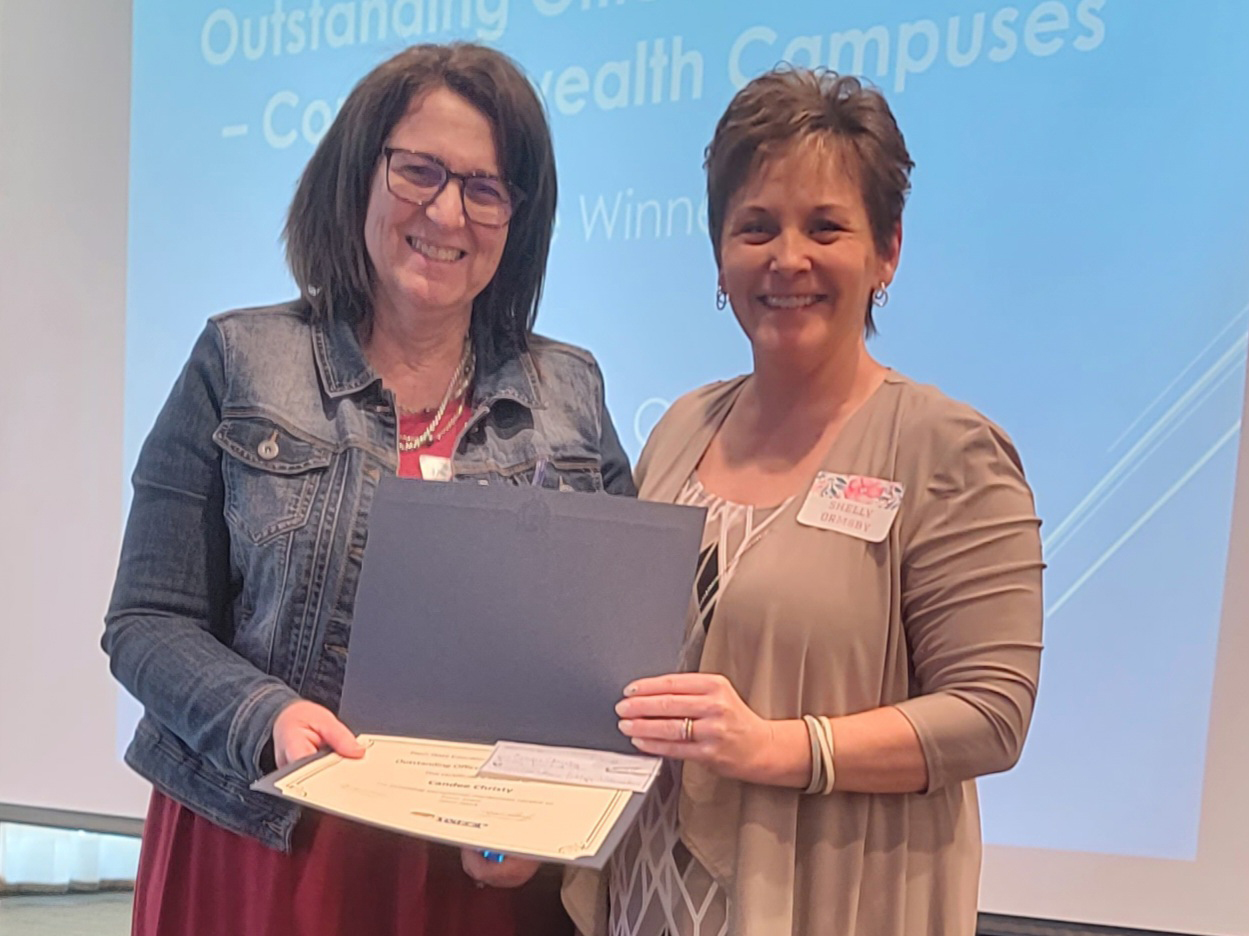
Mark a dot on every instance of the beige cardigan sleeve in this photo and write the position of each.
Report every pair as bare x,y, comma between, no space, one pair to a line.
971,599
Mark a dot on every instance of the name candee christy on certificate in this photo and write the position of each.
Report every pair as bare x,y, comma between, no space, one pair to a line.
431,789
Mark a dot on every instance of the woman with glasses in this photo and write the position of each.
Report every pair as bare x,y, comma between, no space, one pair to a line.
418,238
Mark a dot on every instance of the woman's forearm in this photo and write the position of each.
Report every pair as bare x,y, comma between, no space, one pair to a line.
876,751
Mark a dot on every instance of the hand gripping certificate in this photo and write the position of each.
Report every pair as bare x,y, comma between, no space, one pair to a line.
431,789
494,629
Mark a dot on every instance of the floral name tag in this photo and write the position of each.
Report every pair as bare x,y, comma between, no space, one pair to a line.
859,506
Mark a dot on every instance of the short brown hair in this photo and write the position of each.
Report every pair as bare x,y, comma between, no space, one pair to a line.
790,105
325,247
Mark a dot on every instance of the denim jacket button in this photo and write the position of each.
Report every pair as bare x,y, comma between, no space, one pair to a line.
268,449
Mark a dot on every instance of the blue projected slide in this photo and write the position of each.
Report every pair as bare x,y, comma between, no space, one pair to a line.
1073,266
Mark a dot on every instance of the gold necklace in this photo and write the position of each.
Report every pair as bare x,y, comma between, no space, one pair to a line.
458,387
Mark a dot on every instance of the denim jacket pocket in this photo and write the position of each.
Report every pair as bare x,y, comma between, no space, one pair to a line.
581,473
577,474
271,475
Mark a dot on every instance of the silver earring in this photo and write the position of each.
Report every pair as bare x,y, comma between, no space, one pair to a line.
721,299
880,297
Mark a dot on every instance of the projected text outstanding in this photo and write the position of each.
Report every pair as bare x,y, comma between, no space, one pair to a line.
666,70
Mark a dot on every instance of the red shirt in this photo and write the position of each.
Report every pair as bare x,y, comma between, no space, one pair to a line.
413,424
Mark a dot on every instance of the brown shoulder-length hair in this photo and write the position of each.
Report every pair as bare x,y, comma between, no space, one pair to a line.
788,106
325,247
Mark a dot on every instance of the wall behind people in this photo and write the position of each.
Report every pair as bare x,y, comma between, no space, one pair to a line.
64,119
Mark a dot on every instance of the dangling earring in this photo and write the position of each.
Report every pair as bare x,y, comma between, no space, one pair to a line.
721,299
880,297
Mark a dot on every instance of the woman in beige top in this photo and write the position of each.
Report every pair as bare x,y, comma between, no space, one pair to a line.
868,631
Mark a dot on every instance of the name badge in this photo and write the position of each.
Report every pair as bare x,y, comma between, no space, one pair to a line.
858,506
435,468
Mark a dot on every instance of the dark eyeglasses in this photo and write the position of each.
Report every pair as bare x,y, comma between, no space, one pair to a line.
419,178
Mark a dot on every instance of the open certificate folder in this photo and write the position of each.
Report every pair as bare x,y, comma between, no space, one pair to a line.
495,629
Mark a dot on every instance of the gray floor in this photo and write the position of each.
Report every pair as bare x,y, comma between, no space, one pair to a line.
69,915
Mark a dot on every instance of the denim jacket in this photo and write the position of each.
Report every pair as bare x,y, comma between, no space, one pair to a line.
242,553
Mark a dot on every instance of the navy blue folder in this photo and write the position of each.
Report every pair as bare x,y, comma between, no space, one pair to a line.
501,612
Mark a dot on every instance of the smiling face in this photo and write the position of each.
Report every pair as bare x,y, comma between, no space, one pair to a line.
797,256
431,260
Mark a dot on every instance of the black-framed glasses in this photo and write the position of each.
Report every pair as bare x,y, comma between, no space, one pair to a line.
419,178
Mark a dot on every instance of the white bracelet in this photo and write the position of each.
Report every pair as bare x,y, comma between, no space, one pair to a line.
814,734
826,751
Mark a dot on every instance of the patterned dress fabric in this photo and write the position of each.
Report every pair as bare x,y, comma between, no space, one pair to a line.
656,887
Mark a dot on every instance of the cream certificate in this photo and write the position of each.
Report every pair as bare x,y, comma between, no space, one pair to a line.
431,789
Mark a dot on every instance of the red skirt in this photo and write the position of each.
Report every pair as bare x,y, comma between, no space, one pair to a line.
197,879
